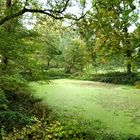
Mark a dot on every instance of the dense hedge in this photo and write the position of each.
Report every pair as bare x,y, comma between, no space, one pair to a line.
117,78
55,73
17,105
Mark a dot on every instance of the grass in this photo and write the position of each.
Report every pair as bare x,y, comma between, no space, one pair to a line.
113,108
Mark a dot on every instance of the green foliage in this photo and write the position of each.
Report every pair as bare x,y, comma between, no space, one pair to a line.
3,101
12,83
117,78
27,54
14,101
34,75
137,84
10,119
15,89
47,131
17,108
106,31
17,105
55,73
74,56
48,42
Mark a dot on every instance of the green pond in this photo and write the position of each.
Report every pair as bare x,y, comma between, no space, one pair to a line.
117,107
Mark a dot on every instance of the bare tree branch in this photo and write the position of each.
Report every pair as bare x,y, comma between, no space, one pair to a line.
51,13
42,12
25,10
56,14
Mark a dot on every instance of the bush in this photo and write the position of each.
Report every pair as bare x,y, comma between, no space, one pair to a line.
55,130
13,83
3,101
15,89
52,73
34,76
55,73
117,78
10,119
137,84
47,131
17,105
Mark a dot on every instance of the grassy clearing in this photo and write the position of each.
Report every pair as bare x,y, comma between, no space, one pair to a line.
95,105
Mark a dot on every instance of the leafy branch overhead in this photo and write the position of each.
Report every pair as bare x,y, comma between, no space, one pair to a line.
55,9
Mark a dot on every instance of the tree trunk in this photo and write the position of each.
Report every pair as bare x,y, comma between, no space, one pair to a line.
48,63
4,60
129,66
8,4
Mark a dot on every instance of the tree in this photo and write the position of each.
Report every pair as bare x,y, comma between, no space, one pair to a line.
73,52
14,43
135,42
49,39
7,28
54,8
16,55
108,23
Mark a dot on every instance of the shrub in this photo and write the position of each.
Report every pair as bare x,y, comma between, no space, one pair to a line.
17,105
34,76
10,119
55,130
137,84
117,78
3,101
55,73
13,83
47,131
40,110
